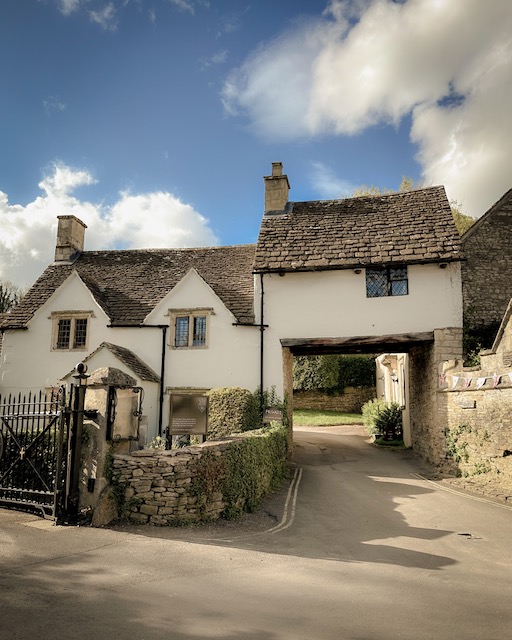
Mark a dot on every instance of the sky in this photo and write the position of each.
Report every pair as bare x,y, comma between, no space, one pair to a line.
155,121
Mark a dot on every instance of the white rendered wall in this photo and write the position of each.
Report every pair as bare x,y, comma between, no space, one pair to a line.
333,304
231,358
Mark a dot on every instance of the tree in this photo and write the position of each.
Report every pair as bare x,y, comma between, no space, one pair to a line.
462,221
10,295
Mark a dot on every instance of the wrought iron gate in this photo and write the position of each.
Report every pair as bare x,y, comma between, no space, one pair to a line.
34,451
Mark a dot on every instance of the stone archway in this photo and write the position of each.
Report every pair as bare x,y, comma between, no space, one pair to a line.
426,351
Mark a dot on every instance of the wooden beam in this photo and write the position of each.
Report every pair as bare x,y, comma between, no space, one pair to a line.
400,342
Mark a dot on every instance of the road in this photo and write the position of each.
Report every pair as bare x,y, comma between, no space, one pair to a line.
358,546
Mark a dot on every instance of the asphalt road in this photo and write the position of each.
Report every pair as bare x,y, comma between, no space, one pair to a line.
358,546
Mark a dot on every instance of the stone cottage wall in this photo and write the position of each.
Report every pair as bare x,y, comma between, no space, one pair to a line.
428,417
486,281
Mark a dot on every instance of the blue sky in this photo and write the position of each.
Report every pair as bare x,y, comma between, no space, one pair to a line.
155,121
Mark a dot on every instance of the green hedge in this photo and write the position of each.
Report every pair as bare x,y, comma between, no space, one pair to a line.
252,467
232,410
333,373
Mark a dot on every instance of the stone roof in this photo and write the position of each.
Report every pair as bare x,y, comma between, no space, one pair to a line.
127,357
128,284
500,207
410,227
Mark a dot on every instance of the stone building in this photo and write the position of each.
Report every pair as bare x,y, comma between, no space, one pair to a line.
486,281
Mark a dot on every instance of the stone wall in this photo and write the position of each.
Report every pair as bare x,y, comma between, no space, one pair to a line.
191,484
478,431
486,282
428,408
350,401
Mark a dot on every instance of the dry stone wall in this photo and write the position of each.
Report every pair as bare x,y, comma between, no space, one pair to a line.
190,484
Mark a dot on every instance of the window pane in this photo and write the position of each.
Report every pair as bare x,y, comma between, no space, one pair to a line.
376,283
80,333
398,281
63,334
199,338
181,332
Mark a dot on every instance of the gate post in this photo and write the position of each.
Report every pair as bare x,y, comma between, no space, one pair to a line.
75,449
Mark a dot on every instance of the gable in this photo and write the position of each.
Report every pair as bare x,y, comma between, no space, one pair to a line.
129,284
190,292
409,227
127,357
72,295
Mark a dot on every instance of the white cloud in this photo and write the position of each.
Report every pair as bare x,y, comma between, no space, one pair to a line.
150,220
366,62
67,7
184,5
52,104
328,185
106,17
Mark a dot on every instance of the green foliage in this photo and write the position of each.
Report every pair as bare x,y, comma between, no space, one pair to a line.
388,423
332,373
356,371
462,221
407,184
158,443
477,337
317,418
251,468
232,410
370,411
456,444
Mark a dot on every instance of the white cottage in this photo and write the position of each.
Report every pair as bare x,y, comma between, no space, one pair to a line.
374,274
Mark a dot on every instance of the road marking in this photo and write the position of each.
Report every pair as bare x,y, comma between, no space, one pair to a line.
290,506
462,493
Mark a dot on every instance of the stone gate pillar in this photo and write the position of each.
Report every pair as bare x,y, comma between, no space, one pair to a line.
111,421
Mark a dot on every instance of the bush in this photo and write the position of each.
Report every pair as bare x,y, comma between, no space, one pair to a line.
370,412
251,468
389,422
232,410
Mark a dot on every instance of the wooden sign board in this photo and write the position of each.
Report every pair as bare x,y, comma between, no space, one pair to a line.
272,414
189,415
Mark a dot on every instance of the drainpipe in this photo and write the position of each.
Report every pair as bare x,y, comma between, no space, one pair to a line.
164,328
162,385
262,331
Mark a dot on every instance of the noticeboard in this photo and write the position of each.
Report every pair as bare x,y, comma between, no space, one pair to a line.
273,414
189,415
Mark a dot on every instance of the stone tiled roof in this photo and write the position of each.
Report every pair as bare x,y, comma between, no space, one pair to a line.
410,227
129,284
127,357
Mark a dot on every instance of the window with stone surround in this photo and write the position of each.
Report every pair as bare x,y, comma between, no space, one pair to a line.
70,330
387,281
190,328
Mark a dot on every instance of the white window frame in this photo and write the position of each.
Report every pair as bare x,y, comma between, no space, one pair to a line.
190,314
72,316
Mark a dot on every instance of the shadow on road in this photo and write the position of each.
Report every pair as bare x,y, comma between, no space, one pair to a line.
349,506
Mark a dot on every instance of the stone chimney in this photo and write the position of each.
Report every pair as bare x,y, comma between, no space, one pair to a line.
276,189
70,238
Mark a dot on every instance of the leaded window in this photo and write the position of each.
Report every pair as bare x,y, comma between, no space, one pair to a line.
190,329
386,281
70,332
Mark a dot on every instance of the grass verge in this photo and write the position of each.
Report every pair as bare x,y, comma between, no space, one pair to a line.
314,418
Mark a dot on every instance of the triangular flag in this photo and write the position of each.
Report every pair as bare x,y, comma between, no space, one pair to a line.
467,382
455,379
496,380
480,382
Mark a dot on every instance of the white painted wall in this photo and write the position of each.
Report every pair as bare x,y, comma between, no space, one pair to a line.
231,358
333,304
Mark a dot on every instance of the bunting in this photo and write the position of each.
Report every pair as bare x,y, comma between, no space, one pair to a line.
496,379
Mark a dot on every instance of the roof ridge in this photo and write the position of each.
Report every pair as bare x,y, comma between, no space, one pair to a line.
370,195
